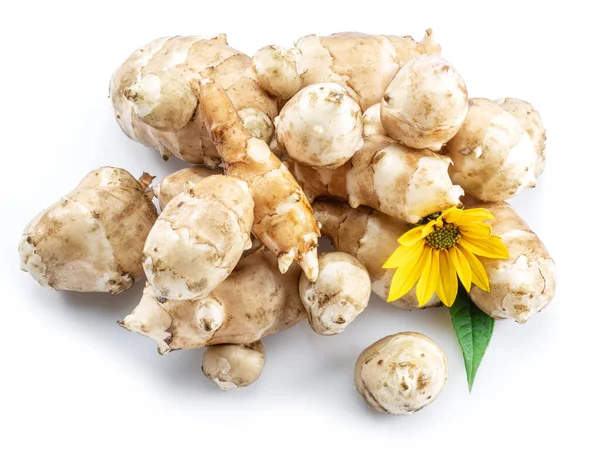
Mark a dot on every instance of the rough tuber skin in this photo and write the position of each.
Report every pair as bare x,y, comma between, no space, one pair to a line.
234,365
401,374
425,103
92,239
531,120
401,182
283,218
494,158
369,236
178,182
523,284
198,238
279,70
339,295
154,105
253,302
321,126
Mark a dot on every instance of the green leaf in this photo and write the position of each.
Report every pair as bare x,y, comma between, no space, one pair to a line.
474,331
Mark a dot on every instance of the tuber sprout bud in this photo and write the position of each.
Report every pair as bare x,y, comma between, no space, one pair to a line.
234,365
279,70
257,123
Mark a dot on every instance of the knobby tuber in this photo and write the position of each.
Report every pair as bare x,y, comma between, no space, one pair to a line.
234,365
178,182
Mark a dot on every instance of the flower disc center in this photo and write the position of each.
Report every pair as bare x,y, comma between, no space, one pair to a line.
443,237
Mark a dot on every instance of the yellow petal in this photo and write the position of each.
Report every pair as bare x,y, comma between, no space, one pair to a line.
430,276
447,287
490,248
415,234
479,230
450,214
405,277
462,267
403,254
478,275
470,216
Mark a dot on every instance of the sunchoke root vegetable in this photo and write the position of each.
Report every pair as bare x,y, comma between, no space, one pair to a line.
425,104
283,218
321,126
155,105
363,64
279,70
339,295
401,373
199,238
404,183
531,120
92,239
369,236
234,365
523,284
257,123
494,158
180,181
253,302
372,122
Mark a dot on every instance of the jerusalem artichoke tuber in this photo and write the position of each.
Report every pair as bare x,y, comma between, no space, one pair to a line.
372,122
234,365
180,181
199,238
279,70
92,239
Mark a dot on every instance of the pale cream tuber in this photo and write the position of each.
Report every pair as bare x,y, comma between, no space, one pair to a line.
372,122
178,182
92,239
404,183
531,120
494,158
425,104
339,295
401,374
279,70
321,126
369,236
198,238
283,218
234,365
257,123
253,302
154,104
523,284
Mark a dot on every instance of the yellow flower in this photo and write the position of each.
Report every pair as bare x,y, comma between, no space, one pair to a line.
436,252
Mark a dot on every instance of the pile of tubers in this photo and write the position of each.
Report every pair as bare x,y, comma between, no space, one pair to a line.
351,136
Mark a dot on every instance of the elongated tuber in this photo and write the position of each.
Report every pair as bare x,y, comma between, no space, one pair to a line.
369,236
92,239
494,158
404,183
155,105
523,284
321,126
425,104
234,365
531,120
283,218
180,181
199,238
339,295
253,302
401,373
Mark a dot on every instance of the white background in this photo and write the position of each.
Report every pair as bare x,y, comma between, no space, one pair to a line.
72,381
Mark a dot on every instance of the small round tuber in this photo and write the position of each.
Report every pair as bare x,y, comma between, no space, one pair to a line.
425,104
401,373
178,182
321,126
278,70
234,365
339,295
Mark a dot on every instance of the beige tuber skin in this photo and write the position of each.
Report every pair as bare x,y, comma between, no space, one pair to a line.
401,374
523,284
321,126
494,158
283,218
258,124
425,104
92,239
279,70
401,182
234,365
154,104
339,295
253,302
198,238
180,181
369,236
531,120
372,122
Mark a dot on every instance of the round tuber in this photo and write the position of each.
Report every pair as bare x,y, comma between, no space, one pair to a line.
278,70
234,365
